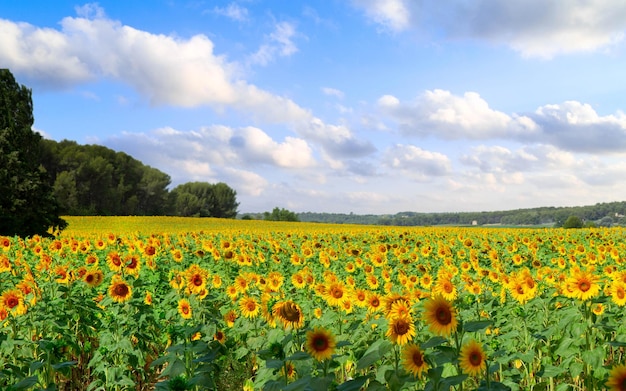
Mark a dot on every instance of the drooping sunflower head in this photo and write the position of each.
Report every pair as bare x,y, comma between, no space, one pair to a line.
473,359
93,277
440,316
289,313
320,343
413,360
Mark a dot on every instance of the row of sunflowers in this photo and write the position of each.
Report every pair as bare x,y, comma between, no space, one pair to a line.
227,305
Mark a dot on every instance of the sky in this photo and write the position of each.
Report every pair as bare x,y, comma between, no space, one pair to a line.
340,106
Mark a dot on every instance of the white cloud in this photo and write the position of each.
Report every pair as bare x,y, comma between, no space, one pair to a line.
534,28
440,113
278,43
333,92
571,126
233,11
416,162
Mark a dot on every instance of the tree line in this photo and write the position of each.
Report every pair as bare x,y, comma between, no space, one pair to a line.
95,180
600,214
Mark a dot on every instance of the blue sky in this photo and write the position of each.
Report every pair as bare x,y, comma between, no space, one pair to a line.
363,106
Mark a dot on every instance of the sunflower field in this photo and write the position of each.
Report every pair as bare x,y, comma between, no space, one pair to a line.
206,304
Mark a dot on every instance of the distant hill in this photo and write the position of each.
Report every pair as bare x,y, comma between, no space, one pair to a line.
601,214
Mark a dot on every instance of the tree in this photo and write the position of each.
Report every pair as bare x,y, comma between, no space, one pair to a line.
202,199
27,203
280,214
573,221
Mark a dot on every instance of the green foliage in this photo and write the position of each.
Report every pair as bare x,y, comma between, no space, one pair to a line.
280,214
573,222
27,203
202,199
95,180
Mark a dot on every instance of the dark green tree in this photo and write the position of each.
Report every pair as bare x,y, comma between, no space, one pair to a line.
27,202
280,214
204,199
573,221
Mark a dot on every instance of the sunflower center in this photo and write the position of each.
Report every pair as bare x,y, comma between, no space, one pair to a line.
320,343
89,278
337,293
121,290
196,280
375,302
185,309
251,306
584,286
475,358
401,327
418,359
620,294
12,301
290,312
447,286
520,289
443,316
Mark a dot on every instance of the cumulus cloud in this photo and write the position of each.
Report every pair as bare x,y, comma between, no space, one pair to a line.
416,162
571,126
576,126
534,28
440,113
219,145
499,159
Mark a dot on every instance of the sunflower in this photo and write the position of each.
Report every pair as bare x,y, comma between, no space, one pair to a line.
399,308
148,299
373,302
401,330
440,316
220,337
5,264
114,261
473,359
583,284
249,307
13,301
93,277
320,343
445,287
335,294
132,264
413,360
230,318
289,313
618,293
119,290
184,308
196,278
617,378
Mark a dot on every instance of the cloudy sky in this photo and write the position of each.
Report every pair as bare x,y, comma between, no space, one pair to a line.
363,106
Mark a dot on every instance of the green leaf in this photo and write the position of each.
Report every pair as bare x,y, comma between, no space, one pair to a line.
62,365
594,357
298,356
476,325
374,353
24,384
174,369
453,380
353,385
433,342
550,371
